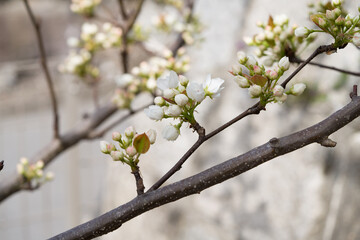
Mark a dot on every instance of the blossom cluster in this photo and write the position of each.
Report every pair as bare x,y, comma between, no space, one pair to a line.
84,7
277,40
91,40
179,100
183,22
343,27
143,77
33,172
261,82
131,146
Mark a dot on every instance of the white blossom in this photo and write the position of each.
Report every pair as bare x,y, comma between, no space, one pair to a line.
159,101
255,90
151,133
181,99
301,32
278,91
356,39
170,133
284,63
173,111
73,42
280,20
171,81
251,60
154,112
297,89
124,80
242,81
213,86
195,91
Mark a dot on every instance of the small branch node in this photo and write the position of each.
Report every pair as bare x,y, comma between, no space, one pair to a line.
274,143
327,142
354,92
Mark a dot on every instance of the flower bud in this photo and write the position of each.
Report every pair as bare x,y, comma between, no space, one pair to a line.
340,21
257,69
183,80
255,90
241,56
330,14
39,164
20,168
173,111
131,151
117,155
130,132
181,99
169,93
116,136
159,101
24,161
251,60
284,63
356,39
103,146
301,32
154,112
170,133
49,176
282,98
242,81
236,68
297,89
336,3
151,133
278,91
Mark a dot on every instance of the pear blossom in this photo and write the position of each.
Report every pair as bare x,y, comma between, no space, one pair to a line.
281,98
106,147
297,89
169,93
255,90
183,80
278,91
336,2
195,91
251,60
242,81
213,86
154,112
181,99
173,111
241,56
356,39
284,63
280,20
170,133
88,29
131,151
130,132
124,80
116,136
159,101
151,135
117,155
301,32
170,81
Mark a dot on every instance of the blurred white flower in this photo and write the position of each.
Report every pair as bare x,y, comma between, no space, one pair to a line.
213,86
170,133
154,112
195,91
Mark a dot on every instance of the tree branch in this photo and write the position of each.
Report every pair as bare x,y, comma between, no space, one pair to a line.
298,60
49,81
195,184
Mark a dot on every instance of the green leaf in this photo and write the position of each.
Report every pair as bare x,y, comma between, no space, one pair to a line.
141,143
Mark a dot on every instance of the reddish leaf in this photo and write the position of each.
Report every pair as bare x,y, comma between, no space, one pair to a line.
141,143
258,80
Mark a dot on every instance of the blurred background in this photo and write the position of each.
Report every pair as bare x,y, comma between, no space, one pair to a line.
313,193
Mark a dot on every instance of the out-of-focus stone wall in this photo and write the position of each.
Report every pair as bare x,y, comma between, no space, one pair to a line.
310,194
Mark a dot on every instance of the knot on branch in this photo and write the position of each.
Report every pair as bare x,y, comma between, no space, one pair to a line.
354,92
327,142
274,144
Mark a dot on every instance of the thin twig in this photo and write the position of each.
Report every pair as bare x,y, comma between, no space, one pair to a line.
139,181
122,10
297,60
319,50
203,138
44,65
231,168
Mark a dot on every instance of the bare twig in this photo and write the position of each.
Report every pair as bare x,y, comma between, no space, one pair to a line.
122,10
139,181
297,60
195,184
319,50
202,138
1,165
49,81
